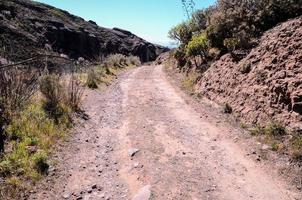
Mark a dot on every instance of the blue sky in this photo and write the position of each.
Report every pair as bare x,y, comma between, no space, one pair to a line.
149,19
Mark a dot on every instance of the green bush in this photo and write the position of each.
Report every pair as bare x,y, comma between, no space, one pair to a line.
275,129
231,43
235,24
296,147
188,83
257,130
198,46
60,97
40,162
181,33
180,56
32,134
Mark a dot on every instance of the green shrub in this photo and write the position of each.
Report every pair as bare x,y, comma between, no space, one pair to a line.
275,129
121,61
257,130
199,20
32,134
40,162
231,43
296,147
180,56
277,146
243,125
235,24
181,33
198,46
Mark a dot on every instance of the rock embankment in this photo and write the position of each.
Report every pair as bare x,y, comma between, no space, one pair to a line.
27,27
266,85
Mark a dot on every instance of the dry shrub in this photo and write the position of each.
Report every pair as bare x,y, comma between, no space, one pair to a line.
116,60
17,85
92,79
57,92
134,61
120,61
188,83
74,92
52,90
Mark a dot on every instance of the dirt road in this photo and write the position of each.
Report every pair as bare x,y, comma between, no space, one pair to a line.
143,141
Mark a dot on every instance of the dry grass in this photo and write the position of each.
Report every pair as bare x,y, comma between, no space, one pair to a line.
107,72
188,82
35,127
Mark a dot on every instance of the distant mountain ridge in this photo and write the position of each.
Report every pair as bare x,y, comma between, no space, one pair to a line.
28,27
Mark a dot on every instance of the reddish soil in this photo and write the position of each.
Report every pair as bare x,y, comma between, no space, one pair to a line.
265,86
144,140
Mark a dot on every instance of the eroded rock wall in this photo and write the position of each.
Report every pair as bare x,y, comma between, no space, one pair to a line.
267,84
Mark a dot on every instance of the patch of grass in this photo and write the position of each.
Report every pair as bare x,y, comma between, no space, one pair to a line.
31,134
107,72
277,146
256,130
296,147
134,61
40,162
121,61
100,75
14,185
198,95
188,82
243,125
53,92
92,80
73,92
275,129
227,108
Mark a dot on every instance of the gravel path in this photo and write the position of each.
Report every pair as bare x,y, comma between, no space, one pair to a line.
143,141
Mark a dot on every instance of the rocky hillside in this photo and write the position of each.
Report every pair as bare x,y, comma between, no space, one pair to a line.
266,85
28,27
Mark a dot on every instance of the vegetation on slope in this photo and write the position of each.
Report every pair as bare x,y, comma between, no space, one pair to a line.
254,60
228,26
37,111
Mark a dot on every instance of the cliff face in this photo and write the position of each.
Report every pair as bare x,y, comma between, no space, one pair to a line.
27,27
267,84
